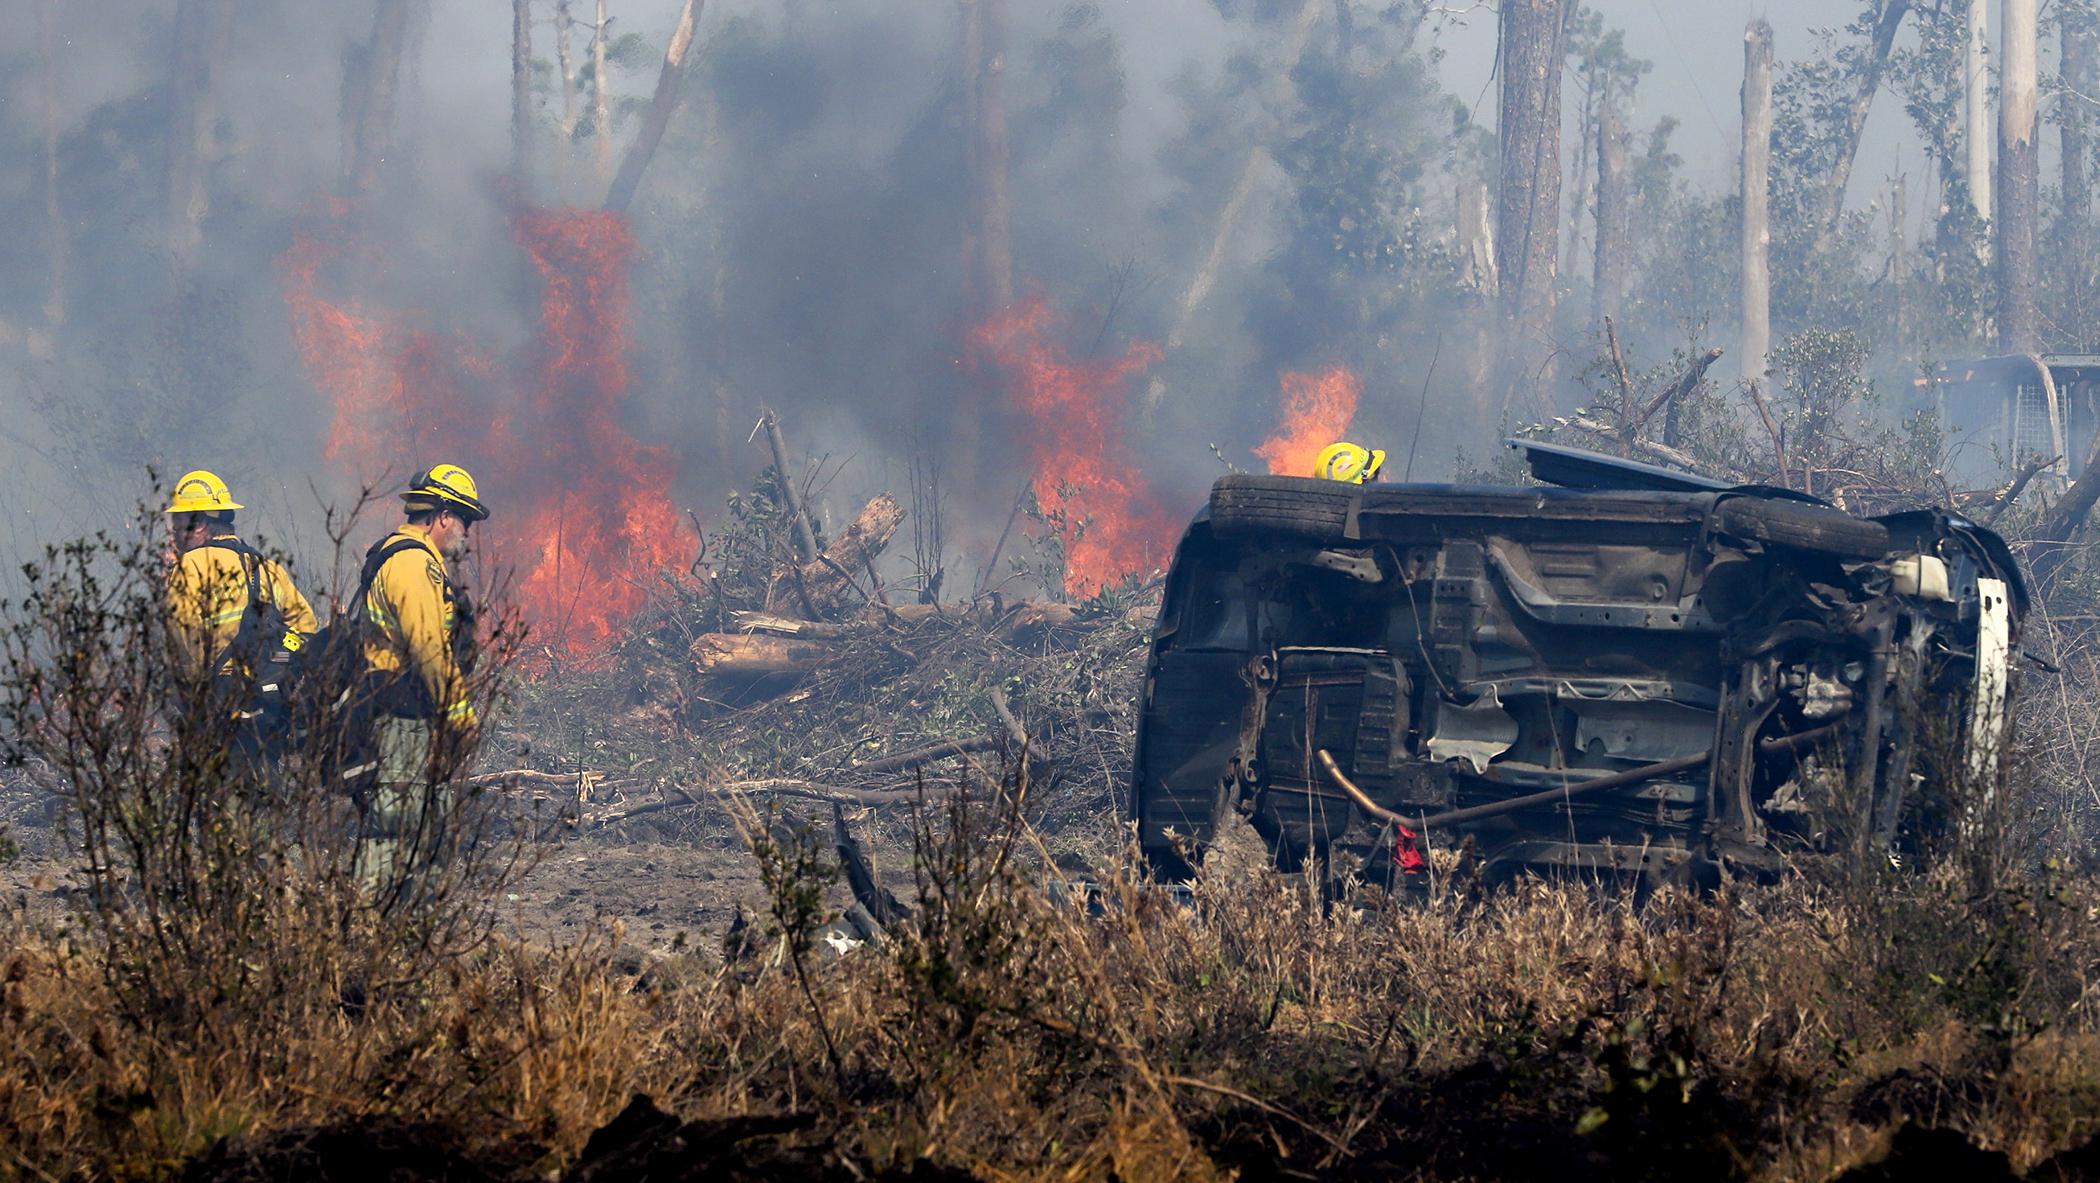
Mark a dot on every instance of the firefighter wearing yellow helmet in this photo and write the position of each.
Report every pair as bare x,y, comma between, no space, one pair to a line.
1352,464
233,609
418,641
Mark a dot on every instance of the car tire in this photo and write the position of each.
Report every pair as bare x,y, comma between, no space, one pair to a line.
1300,506
1800,526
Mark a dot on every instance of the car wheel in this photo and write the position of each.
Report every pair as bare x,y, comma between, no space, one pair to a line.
1289,505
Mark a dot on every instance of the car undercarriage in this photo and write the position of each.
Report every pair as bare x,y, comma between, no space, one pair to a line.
1626,670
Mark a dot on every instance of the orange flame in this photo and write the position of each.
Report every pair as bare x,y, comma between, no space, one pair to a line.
583,511
1085,471
1317,411
610,525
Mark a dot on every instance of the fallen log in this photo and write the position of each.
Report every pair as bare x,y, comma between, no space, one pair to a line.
828,583
769,643
754,654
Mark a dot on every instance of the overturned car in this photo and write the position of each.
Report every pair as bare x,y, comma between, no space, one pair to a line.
1626,670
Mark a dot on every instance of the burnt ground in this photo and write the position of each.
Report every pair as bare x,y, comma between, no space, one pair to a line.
670,881
663,891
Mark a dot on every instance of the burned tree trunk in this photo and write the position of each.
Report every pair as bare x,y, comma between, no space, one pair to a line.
1976,111
521,91
1888,17
201,29
669,85
988,242
2019,179
1756,197
1608,279
564,24
601,96
371,75
832,580
1527,216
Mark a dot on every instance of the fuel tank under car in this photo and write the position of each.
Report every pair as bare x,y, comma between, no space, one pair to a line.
1627,670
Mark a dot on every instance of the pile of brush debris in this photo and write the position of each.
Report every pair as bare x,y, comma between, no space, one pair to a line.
783,667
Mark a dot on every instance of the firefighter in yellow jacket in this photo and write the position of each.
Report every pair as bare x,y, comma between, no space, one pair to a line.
222,586
418,635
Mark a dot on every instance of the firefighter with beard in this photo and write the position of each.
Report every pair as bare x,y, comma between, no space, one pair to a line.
417,634
237,616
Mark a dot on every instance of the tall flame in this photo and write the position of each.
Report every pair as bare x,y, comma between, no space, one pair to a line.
1085,469
1317,411
583,512
607,524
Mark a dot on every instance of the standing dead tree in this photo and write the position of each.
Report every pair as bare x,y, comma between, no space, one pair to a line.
1976,111
2019,178
669,87
1227,225
1527,214
1608,279
371,78
1881,41
565,65
601,95
1756,201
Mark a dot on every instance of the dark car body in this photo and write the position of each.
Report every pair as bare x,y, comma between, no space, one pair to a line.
1631,670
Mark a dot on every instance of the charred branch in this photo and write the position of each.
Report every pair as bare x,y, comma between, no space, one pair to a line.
883,908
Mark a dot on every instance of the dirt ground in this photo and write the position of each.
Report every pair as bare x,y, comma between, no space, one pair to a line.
671,881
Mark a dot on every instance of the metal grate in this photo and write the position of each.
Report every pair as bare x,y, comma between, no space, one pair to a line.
2031,433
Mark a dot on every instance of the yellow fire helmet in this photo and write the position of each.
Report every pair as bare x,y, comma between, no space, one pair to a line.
447,486
1349,463
201,492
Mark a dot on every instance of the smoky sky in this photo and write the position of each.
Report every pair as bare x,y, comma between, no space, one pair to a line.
798,230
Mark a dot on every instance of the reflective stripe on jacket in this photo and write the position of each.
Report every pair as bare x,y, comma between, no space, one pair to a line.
408,623
208,593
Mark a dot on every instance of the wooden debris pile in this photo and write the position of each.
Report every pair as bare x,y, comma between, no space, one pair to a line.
791,672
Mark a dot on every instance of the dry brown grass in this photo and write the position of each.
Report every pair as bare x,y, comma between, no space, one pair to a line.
1780,1033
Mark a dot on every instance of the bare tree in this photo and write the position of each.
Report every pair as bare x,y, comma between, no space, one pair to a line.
201,30
1608,279
2019,177
661,104
1229,215
601,95
1976,110
371,76
1756,199
1534,44
521,91
1888,18
564,23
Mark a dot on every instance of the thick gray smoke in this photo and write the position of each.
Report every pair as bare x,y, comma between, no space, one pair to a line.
1257,186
